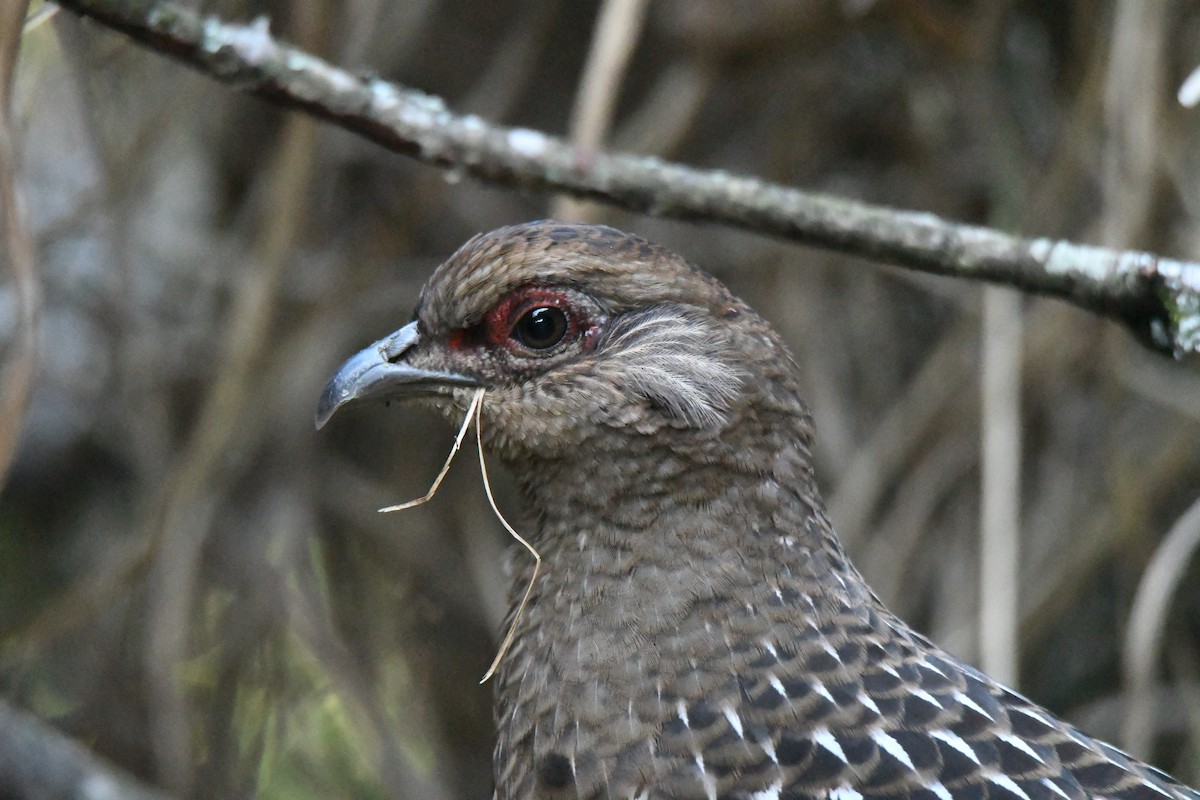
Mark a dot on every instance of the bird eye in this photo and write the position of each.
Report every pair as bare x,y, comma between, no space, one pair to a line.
541,328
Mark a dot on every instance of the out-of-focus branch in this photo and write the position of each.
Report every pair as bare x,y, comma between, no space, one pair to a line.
38,761
1158,297
1001,341
999,519
1147,621
617,31
16,250
1137,64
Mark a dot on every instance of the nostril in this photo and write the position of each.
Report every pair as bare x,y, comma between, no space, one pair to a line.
393,348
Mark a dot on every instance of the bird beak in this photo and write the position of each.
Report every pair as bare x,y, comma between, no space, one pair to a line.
379,371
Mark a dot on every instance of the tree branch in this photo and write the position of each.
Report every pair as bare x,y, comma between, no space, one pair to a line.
1158,298
17,256
38,761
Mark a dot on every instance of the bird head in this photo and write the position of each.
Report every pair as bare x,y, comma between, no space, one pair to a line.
579,334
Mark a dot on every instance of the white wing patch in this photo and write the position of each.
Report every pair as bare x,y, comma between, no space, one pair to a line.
769,793
1158,789
768,747
710,785
971,704
844,793
827,740
941,791
1054,787
927,697
820,689
893,748
1005,782
957,742
1021,745
734,720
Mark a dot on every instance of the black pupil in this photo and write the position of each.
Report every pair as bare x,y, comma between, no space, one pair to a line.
541,327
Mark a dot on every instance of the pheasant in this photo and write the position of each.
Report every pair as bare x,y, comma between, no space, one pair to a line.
696,629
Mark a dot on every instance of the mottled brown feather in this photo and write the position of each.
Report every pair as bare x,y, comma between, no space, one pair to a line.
697,631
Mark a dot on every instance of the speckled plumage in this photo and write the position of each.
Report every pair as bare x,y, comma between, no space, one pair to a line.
696,630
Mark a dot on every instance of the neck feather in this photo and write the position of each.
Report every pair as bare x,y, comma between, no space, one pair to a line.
713,512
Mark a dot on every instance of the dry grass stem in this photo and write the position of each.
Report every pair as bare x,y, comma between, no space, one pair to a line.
472,408
537,557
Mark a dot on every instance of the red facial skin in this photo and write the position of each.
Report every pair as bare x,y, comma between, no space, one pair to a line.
496,329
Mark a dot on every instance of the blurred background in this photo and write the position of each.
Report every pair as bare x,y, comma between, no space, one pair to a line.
196,584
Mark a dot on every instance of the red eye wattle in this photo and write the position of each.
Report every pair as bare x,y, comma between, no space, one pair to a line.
532,319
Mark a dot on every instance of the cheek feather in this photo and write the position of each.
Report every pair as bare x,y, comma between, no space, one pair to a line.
678,362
